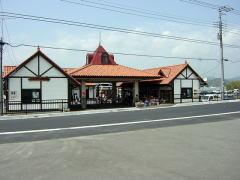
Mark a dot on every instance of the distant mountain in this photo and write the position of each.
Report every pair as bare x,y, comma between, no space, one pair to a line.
234,79
215,82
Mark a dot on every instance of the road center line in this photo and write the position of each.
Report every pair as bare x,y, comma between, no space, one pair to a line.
115,124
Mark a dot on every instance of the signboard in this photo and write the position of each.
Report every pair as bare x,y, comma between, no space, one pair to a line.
39,78
13,95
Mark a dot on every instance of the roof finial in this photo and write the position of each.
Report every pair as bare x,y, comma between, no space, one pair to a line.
186,62
38,48
100,38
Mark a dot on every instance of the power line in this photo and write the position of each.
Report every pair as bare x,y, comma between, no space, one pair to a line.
201,3
234,61
141,11
210,70
210,5
157,13
7,32
11,49
221,11
115,53
137,12
215,7
109,28
232,32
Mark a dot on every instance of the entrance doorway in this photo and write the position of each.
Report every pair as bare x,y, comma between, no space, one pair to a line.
166,96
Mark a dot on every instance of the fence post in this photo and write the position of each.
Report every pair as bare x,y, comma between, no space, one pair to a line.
62,105
2,106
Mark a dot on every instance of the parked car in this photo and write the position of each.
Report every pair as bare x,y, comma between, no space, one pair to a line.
229,97
210,97
236,91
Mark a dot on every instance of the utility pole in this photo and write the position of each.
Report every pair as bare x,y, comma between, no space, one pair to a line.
1,76
221,11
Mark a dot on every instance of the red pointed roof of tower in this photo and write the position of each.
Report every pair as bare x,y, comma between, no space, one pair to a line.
96,57
96,68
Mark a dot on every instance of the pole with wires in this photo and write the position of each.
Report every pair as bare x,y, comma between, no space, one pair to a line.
1,68
1,76
221,10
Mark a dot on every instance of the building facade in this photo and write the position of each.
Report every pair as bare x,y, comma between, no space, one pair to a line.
178,84
38,83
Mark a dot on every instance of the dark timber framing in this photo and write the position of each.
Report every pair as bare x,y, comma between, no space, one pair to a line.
38,59
46,71
21,92
36,73
30,70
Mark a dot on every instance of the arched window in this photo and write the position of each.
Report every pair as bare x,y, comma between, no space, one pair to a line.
104,59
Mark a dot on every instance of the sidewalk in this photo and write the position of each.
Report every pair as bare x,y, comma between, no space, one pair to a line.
97,111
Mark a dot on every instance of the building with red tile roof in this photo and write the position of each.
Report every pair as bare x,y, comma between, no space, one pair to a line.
169,73
178,83
38,83
101,66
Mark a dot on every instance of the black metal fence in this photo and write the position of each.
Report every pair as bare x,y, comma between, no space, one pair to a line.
17,107
13,107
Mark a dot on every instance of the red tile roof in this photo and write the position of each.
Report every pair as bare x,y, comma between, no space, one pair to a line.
95,68
170,73
110,71
68,70
7,70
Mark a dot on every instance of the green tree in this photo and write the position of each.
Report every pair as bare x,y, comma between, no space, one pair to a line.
233,85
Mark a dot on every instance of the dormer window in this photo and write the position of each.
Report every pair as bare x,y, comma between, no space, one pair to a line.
104,59
87,60
161,73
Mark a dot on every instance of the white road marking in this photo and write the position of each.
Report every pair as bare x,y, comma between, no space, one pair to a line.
114,124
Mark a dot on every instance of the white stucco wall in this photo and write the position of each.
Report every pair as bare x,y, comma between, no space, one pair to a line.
56,88
14,85
26,84
33,65
44,65
182,82
22,72
54,73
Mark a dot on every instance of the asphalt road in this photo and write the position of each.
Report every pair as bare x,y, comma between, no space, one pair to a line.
205,151
18,130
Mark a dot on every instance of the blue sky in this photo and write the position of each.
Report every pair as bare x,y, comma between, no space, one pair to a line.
18,31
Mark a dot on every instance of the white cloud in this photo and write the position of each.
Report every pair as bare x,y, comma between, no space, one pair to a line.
166,33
